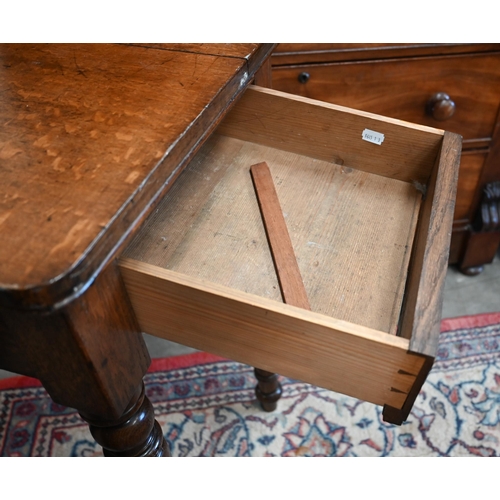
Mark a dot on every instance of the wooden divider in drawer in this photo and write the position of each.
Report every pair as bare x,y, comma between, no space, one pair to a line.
370,226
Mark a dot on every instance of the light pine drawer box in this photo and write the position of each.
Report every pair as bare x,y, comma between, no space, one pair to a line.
371,248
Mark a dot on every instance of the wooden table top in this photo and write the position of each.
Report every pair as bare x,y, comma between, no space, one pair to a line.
91,136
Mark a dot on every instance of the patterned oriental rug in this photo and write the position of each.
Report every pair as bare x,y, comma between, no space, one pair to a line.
206,407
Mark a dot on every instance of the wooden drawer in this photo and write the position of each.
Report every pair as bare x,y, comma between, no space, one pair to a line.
401,88
372,251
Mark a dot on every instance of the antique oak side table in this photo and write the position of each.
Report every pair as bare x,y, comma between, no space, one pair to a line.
91,138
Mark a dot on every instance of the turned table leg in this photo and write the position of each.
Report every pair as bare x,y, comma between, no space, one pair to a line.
135,434
90,355
268,389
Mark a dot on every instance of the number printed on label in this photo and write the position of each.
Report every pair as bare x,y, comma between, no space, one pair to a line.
372,136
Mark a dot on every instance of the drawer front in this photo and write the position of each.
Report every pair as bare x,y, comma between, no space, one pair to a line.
403,88
271,336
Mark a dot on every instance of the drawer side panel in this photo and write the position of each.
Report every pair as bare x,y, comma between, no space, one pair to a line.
429,262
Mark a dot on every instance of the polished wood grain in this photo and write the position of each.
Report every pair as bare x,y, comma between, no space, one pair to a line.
75,352
471,164
236,50
264,77
135,434
308,53
258,66
285,262
395,88
91,136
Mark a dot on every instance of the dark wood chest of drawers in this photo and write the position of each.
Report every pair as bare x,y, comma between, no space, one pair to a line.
455,87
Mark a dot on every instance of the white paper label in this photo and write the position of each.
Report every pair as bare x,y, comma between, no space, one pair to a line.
372,136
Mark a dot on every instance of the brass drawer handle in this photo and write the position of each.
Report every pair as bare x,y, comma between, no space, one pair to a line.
440,106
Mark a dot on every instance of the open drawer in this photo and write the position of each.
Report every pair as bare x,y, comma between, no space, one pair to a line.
370,223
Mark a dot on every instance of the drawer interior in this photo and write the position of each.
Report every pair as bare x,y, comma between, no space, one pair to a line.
351,207
352,231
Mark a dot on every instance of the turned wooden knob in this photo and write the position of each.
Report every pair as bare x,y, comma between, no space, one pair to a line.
440,106
304,77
